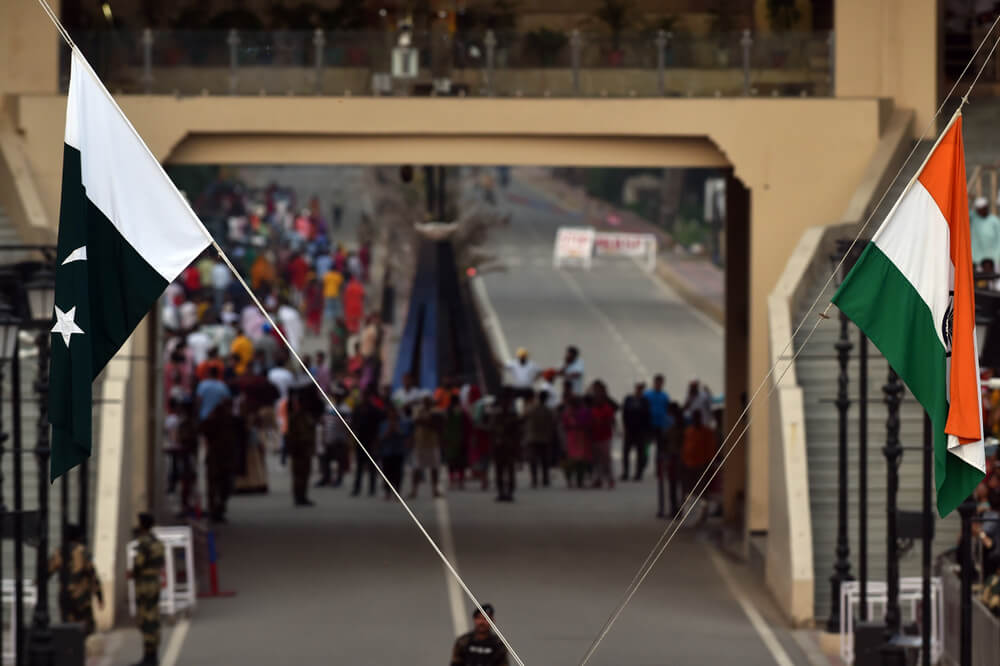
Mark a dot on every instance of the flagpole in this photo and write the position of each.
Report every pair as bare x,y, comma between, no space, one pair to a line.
225,258
926,614
253,297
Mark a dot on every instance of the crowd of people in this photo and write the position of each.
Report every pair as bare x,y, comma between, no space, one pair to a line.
985,241
229,377
551,419
235,395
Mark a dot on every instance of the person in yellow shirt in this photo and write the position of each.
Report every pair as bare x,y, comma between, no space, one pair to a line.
243,348
331,294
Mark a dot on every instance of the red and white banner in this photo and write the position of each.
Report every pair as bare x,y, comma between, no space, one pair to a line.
580,244
573,244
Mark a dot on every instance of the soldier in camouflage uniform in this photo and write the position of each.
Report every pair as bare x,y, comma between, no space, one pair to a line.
78,581
149,561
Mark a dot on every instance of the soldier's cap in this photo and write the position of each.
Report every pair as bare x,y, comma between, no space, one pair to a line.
146,520
486,607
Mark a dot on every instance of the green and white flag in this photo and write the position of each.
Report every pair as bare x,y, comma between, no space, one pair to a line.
125,233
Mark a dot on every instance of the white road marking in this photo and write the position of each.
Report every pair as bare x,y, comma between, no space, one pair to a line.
608,324
756,620
491,322
176,641
456,602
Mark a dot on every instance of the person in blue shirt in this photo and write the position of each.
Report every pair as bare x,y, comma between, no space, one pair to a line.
659,400
210,393
660,421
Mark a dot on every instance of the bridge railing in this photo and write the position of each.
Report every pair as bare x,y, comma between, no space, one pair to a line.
539,63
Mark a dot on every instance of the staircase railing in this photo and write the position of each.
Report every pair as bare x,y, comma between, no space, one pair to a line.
789,561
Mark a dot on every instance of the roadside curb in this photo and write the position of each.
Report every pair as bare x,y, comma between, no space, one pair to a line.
692,296
696,299
490,321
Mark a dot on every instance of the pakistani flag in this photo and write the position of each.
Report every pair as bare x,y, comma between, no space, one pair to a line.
125,233
912,293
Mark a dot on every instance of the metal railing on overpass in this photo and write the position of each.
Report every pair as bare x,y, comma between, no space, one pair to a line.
539,63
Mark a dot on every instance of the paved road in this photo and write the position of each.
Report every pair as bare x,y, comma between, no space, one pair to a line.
351,581
627,323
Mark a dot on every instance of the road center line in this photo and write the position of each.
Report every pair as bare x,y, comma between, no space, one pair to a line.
175,643
630,354
756,619
456,601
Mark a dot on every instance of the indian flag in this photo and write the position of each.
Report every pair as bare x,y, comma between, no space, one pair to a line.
125,233
912,294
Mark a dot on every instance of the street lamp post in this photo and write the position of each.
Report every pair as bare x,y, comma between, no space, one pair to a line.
575,46
41,301
966,510
892,653
29,286
746,43
15,399
319,44
842,552
490,42
8,341
842,563
661,61
863,475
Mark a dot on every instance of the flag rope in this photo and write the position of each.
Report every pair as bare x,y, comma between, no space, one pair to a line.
695,495
225,258
395,492
674,525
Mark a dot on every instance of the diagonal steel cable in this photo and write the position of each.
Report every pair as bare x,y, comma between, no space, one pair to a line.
667,534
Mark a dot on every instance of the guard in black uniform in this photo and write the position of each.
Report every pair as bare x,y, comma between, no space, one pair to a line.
480,647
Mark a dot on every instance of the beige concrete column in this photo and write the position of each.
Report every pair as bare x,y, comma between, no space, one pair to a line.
889,48
29,49
140,403
113,511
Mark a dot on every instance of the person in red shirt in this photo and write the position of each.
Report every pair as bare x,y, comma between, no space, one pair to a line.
446,393
314,306
355,362
298,271
699,447
574,417
354,304
602,427
192,281
204,369
340,259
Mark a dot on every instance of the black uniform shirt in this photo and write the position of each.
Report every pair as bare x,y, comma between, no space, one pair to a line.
473,651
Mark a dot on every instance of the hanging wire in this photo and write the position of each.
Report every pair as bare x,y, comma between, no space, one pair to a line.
674,524
444,559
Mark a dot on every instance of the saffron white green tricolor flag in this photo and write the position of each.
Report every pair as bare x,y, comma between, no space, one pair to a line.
912,293
125,233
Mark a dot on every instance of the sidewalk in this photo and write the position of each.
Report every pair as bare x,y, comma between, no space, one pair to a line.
699,281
